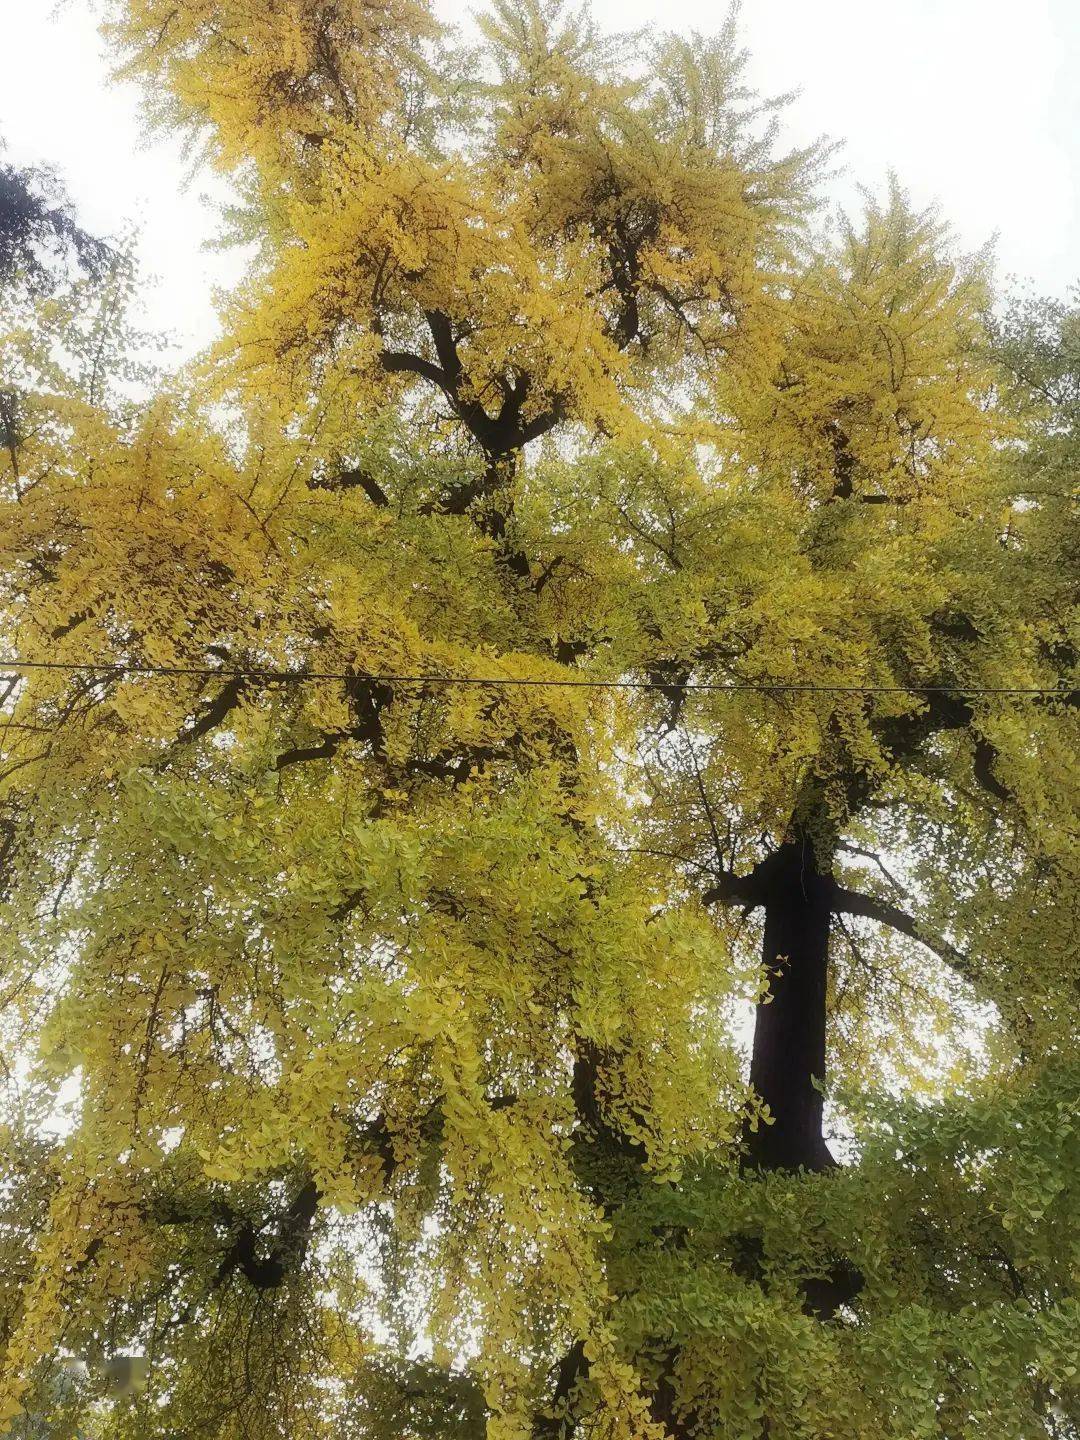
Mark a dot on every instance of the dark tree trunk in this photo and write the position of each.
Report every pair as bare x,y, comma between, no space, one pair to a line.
789,1033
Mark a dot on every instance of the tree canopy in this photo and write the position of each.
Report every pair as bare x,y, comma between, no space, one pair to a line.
537,778
39,232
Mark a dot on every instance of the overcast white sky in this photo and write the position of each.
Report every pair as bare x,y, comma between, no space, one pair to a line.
974,103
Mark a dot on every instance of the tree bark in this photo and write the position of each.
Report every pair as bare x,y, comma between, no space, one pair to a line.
789,1031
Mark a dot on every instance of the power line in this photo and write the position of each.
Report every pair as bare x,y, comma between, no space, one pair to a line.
299,677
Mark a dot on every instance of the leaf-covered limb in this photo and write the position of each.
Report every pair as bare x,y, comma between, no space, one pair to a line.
884,912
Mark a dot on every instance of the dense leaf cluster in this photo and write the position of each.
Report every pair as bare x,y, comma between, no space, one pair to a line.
395,1057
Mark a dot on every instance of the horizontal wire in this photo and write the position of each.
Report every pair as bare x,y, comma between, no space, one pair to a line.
289,677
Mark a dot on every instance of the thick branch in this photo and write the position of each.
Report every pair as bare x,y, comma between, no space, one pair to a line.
557,1422
871,907
543,423
355,479
496,434
442,333
749,891
369,698
268,1271
213,714
401,361
325,750
985,756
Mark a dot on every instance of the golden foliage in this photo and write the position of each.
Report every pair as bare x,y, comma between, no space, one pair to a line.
400,1042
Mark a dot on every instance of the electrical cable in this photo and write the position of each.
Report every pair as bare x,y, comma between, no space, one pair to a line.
285,677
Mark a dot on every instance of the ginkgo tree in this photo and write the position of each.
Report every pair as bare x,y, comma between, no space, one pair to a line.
537,777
